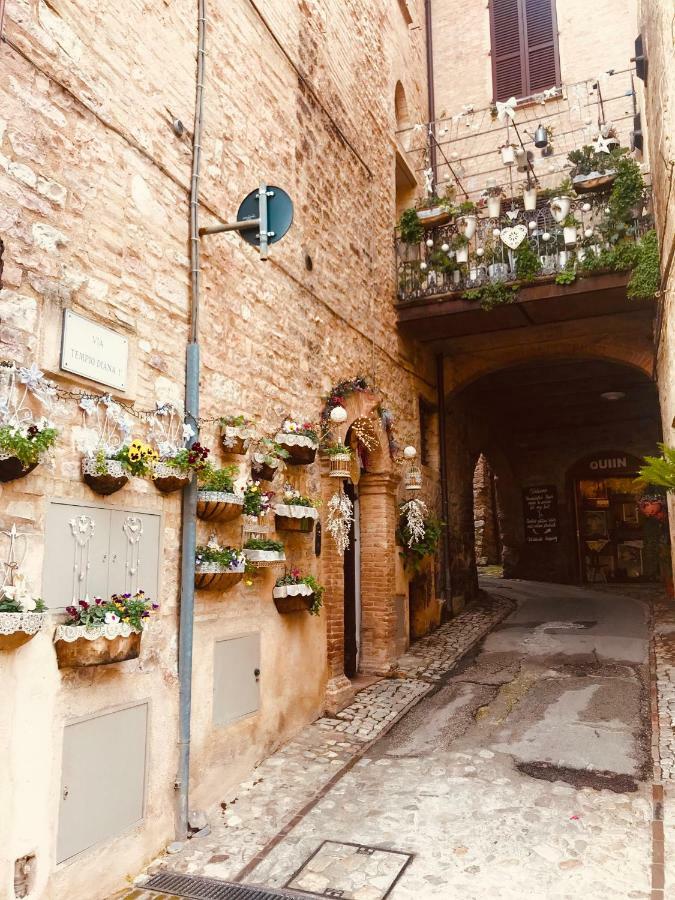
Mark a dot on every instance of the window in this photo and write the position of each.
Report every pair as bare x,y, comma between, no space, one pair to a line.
525,57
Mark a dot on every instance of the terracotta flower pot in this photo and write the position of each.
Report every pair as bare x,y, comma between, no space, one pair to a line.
11,468
107,482
218,506
78,646
19,628
168,479
209,578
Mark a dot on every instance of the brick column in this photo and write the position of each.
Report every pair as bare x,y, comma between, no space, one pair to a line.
339,689
382,610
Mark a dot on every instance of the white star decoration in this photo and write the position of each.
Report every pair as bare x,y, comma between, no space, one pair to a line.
601,145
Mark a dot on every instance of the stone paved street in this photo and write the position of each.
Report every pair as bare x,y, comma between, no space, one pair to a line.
525,770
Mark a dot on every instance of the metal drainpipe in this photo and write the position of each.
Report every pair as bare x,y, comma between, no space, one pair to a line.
446,590
430,88
189,536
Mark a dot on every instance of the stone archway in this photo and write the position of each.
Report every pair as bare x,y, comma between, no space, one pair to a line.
383,607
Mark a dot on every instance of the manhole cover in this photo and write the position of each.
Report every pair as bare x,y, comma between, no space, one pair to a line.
350,871
198,888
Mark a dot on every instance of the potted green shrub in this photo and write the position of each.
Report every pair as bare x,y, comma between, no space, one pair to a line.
460,244
494,194
569,226
466,219
294,592
410,229
529,196
216,498
101,632
561,201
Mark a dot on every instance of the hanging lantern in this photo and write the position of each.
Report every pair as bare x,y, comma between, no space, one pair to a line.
540,137
412,480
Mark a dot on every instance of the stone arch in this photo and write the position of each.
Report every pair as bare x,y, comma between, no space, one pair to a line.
401,107
383,612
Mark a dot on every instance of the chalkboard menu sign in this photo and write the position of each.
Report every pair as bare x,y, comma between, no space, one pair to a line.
540,505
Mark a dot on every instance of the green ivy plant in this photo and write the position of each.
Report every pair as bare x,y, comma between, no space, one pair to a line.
492,294
410,228
528,264
264,544
646,275
660,470
218,480
414,555
627,189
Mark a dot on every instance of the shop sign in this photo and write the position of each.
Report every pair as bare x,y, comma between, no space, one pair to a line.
607,465
540,503
94,351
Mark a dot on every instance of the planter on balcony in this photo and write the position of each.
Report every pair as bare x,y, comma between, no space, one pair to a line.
18,628
104,478
218,506
508,155
435,215
594,181
498,271
494,207
462,254
301,449
467,226
570,235
168,479
560,207
100,645
211,576
530,198
295,518
235,439
293,598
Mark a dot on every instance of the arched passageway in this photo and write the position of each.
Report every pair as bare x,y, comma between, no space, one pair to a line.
550,450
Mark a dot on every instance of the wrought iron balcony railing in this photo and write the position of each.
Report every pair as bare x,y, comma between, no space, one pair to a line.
556,240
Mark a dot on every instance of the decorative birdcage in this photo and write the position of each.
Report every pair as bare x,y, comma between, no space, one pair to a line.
340,465
412,478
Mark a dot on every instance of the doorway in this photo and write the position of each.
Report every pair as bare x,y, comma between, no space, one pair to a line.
352,582
616,543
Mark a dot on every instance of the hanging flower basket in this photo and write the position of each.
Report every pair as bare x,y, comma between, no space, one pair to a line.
219,506
340,465
11,467
211,576
301,449
295,518
99,645
18,628
265,558
104,477
262,470
168,479
293,598
235,439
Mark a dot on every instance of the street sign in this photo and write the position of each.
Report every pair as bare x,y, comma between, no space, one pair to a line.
275,215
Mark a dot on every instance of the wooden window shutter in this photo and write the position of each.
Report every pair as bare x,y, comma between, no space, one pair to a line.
524,47
543,67
508,49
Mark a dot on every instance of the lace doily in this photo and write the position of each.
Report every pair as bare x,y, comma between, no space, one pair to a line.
164,470
112,467
295,440
70,633
219,497
214,568
28,622
259,461
292,590
296,512
230,433
265,555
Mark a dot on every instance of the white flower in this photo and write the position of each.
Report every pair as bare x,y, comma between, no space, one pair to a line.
111,618
9,591
88,404
31,377
188,432
27,602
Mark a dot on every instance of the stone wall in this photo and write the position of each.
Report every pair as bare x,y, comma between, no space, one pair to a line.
656,27
485,515
94,217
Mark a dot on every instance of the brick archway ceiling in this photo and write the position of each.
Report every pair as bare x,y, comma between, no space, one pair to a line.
561,397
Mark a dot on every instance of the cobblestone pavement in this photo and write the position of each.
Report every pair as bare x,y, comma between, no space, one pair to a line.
250,816
526,771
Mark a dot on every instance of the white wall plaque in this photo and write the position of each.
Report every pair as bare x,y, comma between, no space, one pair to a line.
94,351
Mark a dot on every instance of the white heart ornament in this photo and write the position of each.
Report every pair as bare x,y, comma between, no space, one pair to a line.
514,237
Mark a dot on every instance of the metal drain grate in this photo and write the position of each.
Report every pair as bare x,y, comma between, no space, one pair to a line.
200,888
